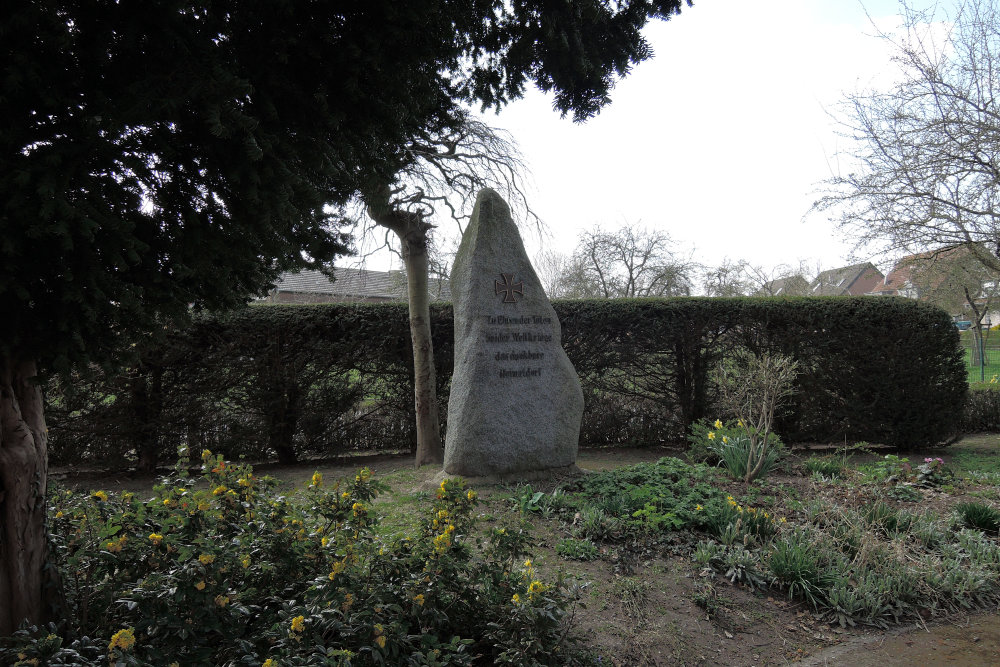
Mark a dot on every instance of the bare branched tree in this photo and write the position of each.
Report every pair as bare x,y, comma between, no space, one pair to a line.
447,169
627,262
956,281
928,149
730,278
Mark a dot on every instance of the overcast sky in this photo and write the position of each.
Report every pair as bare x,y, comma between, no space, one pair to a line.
721,139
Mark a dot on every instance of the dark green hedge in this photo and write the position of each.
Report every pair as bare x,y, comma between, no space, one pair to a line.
329,379
982,410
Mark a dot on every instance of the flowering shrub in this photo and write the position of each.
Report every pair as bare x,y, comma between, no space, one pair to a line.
730,444
733,522
933,472
222,569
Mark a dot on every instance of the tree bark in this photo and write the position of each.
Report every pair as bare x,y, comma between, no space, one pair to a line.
429,448
411,228
146,388
23,478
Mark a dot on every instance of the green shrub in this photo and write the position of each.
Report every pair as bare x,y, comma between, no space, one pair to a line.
572,549
982,408
644,499
799,564
826,466
220,569
287,380
979,516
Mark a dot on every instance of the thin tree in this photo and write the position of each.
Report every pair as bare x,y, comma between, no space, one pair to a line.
925,153
446,171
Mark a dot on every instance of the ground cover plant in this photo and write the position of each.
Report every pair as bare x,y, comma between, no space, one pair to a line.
226,568
675,561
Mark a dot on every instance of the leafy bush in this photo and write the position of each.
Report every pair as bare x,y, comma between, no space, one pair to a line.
644,499
934,473
220,569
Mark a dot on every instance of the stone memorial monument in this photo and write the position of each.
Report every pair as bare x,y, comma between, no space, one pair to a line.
516,402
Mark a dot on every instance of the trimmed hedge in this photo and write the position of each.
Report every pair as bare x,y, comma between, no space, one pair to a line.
328,379
982,410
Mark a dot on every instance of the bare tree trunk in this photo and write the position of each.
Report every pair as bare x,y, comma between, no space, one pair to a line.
429,448
411,228
23,477
146,390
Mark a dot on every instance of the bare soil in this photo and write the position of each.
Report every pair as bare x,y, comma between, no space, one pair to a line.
653,606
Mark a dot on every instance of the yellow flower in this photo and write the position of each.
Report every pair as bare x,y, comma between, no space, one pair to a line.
527,563
155,538
222,600
219,490
471,495
206,559
697,508
117,545
718,423
348,602
298,624
380,640
206,454
365,475
245,561
174,664
270,662
739,422
536,587
200,585
442,542
419,599
711,435
443,514
59,514
725,439
123,639
358,508
345,495
338,567
100,495
516,599
783,520
317,479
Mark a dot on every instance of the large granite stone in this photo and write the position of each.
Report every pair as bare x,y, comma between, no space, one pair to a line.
516,402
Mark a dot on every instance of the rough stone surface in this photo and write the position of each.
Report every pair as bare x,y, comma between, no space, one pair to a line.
516,402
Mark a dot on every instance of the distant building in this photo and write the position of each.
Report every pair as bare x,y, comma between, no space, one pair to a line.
787,286
348,285
853,280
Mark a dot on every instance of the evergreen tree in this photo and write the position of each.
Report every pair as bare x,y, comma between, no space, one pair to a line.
167,155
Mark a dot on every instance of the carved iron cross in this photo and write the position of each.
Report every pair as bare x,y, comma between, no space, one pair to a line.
509,288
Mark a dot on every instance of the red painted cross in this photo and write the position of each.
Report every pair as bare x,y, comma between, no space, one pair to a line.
509,288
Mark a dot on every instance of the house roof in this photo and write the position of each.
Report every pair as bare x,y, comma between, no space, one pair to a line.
358,284
854,280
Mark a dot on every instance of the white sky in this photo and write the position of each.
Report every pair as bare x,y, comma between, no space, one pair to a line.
721,139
